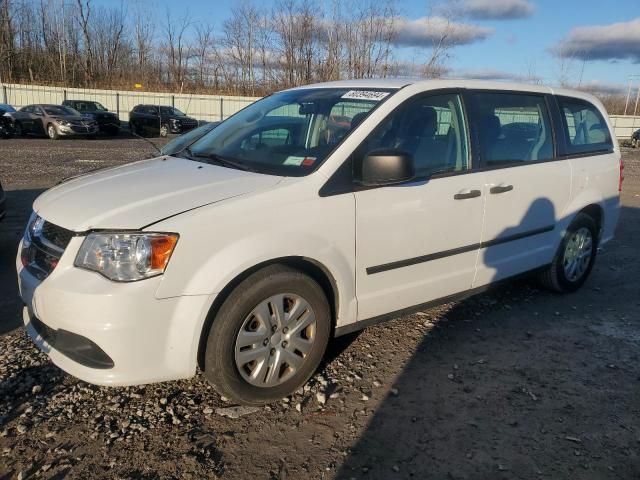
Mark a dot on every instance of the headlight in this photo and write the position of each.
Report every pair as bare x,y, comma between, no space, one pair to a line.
175,121
126,257
62,122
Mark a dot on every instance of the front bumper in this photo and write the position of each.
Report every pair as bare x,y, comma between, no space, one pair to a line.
77,131
110,333
3,205
108,125
181,128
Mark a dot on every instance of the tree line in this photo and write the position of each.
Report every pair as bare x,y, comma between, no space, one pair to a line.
255,51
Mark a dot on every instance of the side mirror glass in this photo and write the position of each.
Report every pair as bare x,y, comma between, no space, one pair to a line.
386,166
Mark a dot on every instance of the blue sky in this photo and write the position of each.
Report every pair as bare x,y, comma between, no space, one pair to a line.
513,46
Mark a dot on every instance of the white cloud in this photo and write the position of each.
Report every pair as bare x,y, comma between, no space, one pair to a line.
428,31
617,41
604,88
497,9
492,74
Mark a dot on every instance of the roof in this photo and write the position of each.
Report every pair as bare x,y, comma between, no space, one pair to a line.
397,83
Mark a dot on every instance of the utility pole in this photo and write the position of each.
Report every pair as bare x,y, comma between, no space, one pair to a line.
626,103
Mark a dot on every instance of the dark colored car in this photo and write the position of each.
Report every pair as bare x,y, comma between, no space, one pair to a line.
159,120
55,121
6,122
635,139
108,122
187,139
3,203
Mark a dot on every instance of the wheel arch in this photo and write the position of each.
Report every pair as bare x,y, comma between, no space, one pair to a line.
596,212
309,266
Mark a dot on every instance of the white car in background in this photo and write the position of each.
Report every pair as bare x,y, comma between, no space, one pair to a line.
312,213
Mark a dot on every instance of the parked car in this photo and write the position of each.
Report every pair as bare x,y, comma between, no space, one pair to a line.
186,139
7,108
159,120
6,122
635,139
280,229
54,121
108,122
3,203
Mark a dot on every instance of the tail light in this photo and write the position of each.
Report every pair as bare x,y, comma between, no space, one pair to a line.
621,175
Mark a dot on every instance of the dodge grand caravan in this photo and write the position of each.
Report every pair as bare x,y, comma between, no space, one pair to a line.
314,212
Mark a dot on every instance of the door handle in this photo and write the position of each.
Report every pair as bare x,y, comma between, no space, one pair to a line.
467,194
501,189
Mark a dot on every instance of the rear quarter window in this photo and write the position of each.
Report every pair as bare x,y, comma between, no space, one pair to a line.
585,129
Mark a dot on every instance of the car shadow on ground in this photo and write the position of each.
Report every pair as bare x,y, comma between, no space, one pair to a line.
517,383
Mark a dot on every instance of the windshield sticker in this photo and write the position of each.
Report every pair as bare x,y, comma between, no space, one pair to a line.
365,95
297,161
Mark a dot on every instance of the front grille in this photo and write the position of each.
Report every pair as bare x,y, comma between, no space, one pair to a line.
41,255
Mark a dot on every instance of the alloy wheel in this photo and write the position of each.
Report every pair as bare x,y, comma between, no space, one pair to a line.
275,340
577,254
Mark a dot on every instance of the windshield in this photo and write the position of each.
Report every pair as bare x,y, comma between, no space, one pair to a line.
90,107
171,111
180,143
289,133
59,110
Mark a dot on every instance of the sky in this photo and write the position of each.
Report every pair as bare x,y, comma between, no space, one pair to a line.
503,39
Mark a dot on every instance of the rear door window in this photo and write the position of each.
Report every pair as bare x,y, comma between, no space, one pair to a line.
584,127
513,128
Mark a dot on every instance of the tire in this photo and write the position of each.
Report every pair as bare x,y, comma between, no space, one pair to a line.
555,277
52,132
164,130
113,131
248,383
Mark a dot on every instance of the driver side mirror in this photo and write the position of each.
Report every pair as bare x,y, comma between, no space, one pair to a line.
385,166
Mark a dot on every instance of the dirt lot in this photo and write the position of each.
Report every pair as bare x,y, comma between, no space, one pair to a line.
515,384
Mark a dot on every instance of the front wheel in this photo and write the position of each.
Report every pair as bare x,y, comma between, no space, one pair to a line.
268,337
164,130
52,132
575,257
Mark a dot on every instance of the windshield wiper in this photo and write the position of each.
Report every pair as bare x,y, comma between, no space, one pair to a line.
220,160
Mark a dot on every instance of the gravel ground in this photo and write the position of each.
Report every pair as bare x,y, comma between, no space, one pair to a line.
514,384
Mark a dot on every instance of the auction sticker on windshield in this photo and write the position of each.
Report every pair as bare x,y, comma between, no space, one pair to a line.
365,95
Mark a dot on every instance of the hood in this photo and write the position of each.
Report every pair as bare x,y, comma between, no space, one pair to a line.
72,118
139,194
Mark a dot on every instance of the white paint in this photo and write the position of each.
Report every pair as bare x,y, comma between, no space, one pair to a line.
234,220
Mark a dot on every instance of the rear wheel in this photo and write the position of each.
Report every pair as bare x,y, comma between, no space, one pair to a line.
575,257
268,337
52,132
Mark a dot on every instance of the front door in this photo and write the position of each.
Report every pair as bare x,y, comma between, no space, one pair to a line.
418,241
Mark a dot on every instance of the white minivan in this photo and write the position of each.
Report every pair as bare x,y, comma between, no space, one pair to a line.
312,213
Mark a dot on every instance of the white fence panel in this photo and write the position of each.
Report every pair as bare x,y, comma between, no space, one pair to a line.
625,125
202,107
